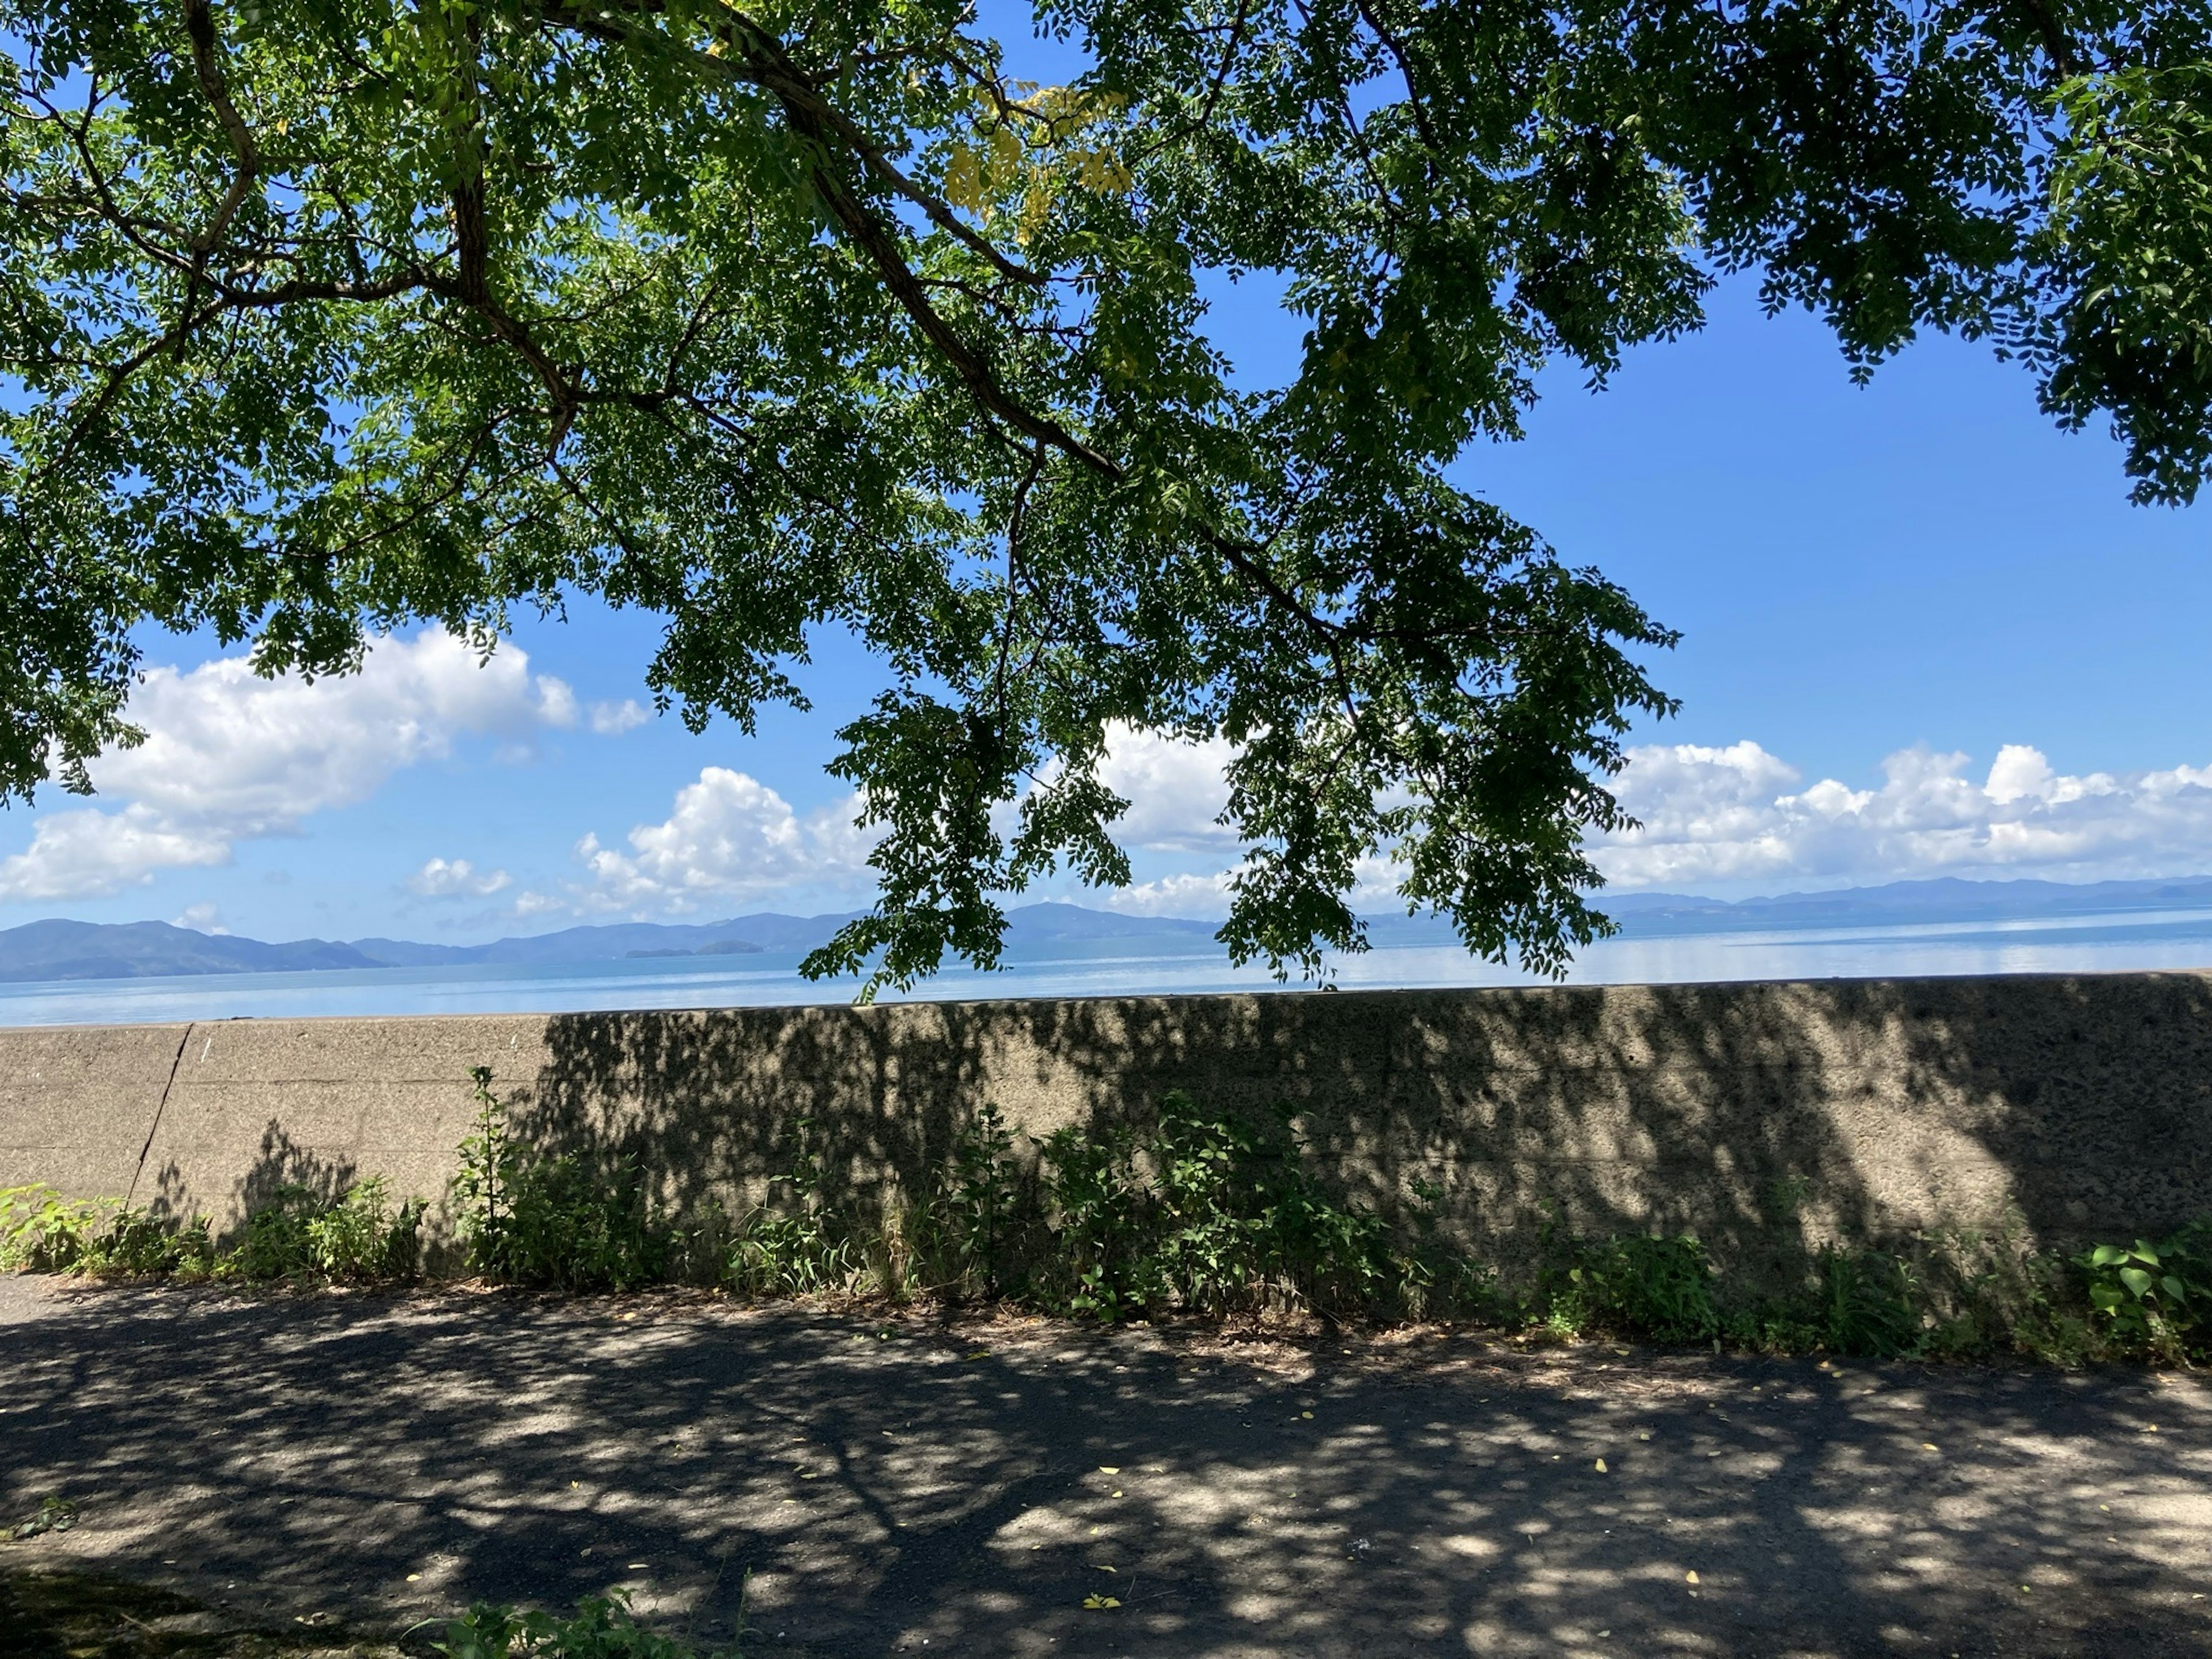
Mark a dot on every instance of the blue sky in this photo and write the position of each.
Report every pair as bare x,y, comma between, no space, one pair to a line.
1924,633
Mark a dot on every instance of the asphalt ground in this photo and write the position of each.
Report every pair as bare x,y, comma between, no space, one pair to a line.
1007,1486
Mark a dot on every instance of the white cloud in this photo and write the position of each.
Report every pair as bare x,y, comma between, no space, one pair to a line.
729,836
611,719
455,878
86,853
1715,816
1205,897
229,756
1176,790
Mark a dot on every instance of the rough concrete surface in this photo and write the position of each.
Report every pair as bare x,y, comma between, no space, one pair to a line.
1763,1117
905,1485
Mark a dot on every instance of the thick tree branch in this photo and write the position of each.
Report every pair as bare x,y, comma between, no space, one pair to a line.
207,65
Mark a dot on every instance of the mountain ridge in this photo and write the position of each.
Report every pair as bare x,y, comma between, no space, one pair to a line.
59,949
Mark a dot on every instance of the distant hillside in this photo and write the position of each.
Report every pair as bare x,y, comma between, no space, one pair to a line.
1901,903
79,950
83,950
139,949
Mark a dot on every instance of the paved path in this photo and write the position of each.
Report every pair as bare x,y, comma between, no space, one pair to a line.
894,1487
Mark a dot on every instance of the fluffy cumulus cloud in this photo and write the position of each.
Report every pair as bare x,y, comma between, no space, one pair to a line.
1737,815
729,837
1175,791
455,878
1201,895
229,756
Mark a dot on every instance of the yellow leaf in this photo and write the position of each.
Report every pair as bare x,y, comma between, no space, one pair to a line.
1601,1466
1689,1577
1106,1468
963,179
1099,1602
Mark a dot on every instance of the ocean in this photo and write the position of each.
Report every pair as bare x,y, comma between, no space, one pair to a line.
2074,944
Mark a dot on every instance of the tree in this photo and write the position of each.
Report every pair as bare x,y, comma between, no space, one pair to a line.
326,315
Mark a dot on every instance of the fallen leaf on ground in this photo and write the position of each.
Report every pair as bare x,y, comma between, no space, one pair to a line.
1601,1466
1689,1577
1098,1601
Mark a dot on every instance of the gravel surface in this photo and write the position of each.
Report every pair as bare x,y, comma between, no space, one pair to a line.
909,1485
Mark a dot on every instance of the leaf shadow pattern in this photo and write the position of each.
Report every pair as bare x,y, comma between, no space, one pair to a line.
1767,1119
280,1165
392,1459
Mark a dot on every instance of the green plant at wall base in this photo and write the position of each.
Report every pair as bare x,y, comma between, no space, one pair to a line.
581,1224
1228,1220
486,1172
977,1207
1661,1288
799,1251
601,1628
357,1238
564,1223
2153,1296
1096,1193
43,1231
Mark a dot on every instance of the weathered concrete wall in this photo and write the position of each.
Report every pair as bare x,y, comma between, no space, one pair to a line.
1748,1113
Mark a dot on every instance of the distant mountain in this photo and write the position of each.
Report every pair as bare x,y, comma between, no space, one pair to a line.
137,949
1901,903
79,950
83,950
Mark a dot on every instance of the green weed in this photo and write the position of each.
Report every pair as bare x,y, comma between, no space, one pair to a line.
357,1238
797,1251
1207,1213
562,1223
601,1628
2154,1298
42,1232
1659,1288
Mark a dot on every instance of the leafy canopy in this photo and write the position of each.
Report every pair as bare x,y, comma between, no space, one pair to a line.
325,316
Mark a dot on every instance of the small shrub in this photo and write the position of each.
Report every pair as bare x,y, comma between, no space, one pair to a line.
2153,1298
42,1231
798,1252
1660,1288
356,1238
601,1628
564,1223
579,1226
977,1209
1097,1268
1229,1219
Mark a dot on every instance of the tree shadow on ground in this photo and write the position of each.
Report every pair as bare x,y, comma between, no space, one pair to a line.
887,1481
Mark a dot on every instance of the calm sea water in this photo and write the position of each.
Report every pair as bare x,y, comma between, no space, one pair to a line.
2074,944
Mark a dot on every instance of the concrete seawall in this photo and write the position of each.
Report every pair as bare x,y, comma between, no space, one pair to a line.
1754,1114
